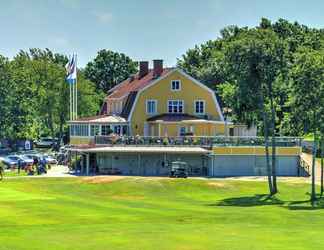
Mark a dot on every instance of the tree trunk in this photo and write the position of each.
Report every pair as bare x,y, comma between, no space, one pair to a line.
273,162
266,142
322,164
61,128
313,194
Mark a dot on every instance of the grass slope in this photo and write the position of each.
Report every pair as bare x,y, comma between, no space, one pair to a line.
156,214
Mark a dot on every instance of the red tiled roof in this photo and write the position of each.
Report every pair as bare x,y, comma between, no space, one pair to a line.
136,84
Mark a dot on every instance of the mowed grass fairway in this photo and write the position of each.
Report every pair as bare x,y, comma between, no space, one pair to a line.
156,213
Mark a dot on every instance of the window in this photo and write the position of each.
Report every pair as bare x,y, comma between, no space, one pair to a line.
116,107
94,130
183,131
117,129
124,130
105,130
175,106
175,85
200,107
151,107
79,130
72,130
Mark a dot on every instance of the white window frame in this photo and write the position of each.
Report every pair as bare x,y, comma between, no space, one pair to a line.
147,110
171,87
96,130
204,107
105,125
183,107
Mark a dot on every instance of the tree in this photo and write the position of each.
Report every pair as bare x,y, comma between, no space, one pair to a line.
35,90
109,68
6,97
307,76
206,63
257,59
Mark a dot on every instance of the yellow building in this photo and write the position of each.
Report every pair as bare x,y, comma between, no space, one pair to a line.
156,102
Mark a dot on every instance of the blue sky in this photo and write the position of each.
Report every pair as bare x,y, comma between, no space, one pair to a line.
142,29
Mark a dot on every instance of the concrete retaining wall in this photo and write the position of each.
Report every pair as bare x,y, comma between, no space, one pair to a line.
251,165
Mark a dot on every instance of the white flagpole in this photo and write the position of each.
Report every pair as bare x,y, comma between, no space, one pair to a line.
71,112
71,97
76,87
72,100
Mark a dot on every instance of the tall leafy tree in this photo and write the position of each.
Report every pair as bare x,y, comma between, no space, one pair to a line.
206,63
257,59
109,68
39,95
307,76
6,97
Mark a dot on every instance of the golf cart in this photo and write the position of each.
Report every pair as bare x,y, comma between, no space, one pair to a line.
179,169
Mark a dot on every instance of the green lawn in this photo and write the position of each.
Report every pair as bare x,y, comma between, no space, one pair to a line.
309,137
14,173
47,213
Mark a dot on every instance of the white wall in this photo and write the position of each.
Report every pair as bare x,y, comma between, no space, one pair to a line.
245,131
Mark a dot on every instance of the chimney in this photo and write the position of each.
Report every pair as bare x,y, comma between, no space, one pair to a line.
157,67
143,68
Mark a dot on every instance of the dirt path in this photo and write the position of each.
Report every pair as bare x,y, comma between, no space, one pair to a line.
58,171
308,158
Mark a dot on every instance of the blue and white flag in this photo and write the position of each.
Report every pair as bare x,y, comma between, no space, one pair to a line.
71,70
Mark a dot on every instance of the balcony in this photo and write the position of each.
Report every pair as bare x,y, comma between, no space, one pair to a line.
194,141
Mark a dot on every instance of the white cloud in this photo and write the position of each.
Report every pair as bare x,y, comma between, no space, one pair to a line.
103,17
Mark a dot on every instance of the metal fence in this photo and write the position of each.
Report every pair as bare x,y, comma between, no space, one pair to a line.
194,141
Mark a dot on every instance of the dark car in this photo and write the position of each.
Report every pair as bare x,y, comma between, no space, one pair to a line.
4,150
179,169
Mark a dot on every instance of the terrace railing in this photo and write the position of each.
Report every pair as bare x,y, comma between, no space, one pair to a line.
194,141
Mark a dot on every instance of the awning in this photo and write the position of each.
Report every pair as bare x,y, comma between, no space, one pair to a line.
182,118
100,119
172,117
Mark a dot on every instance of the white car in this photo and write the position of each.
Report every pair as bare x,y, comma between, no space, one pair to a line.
50,160
26,160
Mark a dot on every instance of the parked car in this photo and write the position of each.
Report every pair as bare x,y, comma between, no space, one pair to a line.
46,142
33,156
11,161
26,160
4,150
179,169
61,158
50,160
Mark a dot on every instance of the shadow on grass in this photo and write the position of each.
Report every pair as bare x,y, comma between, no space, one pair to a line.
250,201
266,200
307,204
